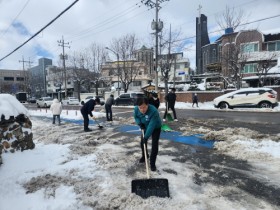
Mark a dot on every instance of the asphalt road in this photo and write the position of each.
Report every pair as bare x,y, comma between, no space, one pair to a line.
263,122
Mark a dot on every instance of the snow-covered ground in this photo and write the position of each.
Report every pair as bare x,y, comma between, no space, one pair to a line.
70,169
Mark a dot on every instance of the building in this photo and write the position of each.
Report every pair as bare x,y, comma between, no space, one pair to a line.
13,81
146,55
132,74
119,74
38,84
237,55
180,67
202,39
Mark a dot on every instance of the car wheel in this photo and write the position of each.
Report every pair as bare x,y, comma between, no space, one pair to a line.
38,106
224,105
265,105
45,105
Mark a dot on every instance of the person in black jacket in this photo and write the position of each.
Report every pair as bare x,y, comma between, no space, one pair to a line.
86,110
195,99
153,99
170,99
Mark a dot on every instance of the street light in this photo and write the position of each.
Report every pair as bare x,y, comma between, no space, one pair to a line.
117,54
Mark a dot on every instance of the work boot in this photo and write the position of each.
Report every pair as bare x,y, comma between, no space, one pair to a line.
153,168
87,130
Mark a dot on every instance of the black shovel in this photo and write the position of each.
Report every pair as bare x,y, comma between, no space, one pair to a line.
149,187
99,126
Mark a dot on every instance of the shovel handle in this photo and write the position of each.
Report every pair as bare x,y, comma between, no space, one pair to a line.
146,159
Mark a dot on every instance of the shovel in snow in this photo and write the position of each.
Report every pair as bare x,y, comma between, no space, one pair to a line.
149,187
99,126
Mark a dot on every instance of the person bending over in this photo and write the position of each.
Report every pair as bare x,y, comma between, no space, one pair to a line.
86,110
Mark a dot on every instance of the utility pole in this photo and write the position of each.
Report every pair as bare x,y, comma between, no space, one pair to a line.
157,25
24,72
64,57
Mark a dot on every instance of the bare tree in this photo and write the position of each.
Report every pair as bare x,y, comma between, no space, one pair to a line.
231,18
171,44
79,74
264,65
94,57
124,47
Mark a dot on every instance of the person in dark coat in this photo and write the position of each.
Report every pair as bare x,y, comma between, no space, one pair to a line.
170,99
86,110
108,108
195,100
148,119
153,100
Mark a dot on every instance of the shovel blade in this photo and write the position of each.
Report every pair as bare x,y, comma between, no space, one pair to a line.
150,187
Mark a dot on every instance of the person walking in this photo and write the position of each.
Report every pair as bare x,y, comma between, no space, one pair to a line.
154,100
170,99
195,99
56,109
148,119
86,110
108,108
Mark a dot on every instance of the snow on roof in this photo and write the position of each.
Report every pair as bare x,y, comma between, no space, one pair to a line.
274,69
10,106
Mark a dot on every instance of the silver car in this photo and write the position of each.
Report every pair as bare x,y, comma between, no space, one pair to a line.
44,102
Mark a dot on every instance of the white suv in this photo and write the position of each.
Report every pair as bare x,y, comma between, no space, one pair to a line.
44,102
71,101
246,98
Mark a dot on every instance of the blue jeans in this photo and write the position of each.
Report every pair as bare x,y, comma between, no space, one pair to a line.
58,118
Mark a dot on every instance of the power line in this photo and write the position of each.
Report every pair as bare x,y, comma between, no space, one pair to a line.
105,29
106,21
15,18
40,30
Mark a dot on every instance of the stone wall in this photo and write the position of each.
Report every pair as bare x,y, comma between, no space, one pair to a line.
15,134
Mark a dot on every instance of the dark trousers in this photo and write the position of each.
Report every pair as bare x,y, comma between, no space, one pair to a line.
195,102
58,118
86,121
173,110
108,109
155,139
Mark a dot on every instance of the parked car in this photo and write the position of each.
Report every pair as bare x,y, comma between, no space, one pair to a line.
71,101
102,100
246,98
128,98
31,100
44,102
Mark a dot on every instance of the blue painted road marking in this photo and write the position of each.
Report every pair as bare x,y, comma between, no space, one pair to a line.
172,135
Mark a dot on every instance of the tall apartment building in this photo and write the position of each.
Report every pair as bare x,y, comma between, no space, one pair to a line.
37,74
